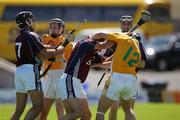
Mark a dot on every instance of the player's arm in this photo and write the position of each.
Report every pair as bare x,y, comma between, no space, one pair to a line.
141,64
109,58
39,50
57,50
100,61
109,40
49,47
141,46
105,45
105,36
45,41
105,65
47,53
67,51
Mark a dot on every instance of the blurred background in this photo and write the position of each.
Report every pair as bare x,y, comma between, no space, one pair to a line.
158,82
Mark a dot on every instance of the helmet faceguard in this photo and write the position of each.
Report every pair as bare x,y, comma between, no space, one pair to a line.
60,23
25,19
126,23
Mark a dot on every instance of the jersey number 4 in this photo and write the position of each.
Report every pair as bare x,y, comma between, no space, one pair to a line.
18,45
131,62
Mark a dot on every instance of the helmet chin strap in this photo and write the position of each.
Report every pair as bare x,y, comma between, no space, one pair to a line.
55,35
29,26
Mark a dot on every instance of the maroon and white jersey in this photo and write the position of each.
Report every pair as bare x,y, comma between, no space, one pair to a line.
27,46
80,60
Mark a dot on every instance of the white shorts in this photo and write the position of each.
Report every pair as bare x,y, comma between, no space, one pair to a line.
51,83
70,87
26,79
122,86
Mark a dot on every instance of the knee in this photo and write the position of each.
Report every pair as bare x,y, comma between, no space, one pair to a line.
16,115
130,115
88,116
100,107
77,114
19,111
128,111
114,108
38,107
43,114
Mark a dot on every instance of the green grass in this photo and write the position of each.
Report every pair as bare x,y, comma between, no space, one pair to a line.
144,111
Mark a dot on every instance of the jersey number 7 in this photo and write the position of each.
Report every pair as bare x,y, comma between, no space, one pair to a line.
18,44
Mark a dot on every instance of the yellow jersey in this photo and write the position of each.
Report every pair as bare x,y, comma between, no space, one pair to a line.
48,40
127,54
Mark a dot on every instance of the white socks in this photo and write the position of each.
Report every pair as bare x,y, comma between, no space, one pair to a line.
100,113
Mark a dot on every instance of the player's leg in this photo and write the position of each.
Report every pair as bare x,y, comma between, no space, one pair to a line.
77,108
67,107
113,111
34,89
129,113
21,93
132,103
71,103
85,111
21,99
47,103
49,94
58,103
59,107
103,105
109,97
75,113
133,100
115,106
80,93
129,93
74,96
37,104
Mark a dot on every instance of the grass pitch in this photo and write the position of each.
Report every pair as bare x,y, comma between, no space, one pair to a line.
144,111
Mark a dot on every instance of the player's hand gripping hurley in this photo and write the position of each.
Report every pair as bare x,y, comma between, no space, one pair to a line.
145,17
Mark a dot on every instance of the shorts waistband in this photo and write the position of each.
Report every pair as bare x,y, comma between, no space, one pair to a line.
123,75
30,65
74,78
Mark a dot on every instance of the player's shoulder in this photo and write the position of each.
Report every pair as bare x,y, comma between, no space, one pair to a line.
45,36
116,33
87,44
136,36
28,33
61,37
120,34
31,35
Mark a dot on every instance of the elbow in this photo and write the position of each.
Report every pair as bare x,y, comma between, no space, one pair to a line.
141,64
